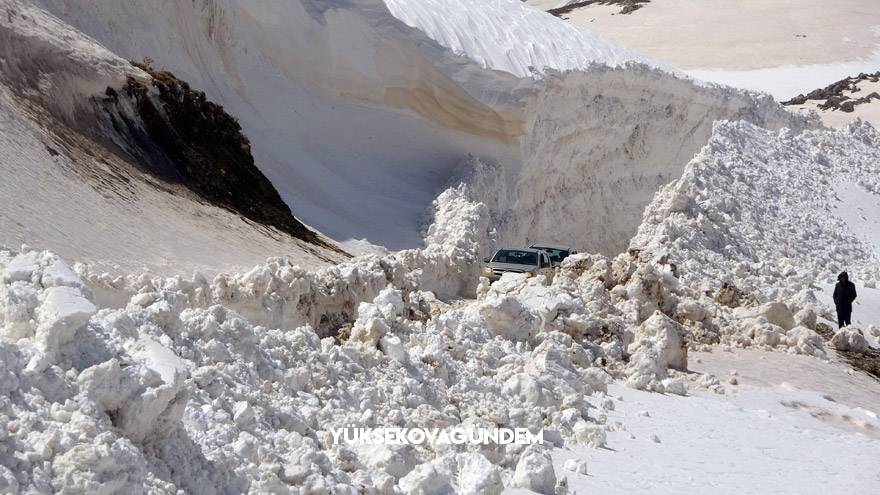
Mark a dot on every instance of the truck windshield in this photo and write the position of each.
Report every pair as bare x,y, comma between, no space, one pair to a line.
556,255
516,257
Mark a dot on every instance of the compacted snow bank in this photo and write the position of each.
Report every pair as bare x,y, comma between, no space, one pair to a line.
589,169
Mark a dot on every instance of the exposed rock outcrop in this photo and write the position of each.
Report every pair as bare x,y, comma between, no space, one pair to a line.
182,137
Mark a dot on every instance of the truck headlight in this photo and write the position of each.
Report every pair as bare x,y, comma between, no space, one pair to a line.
487,272
529,274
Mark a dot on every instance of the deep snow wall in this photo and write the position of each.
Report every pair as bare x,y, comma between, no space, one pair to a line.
597,146
363,145
354,116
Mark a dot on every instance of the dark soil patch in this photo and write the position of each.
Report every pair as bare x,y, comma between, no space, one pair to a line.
869,362
627,6
181,137
834,95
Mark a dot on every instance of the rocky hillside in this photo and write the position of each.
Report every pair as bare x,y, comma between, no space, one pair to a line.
183,138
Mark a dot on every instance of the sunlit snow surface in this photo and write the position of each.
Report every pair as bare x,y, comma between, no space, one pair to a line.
226,384
787,81
509,35
755,440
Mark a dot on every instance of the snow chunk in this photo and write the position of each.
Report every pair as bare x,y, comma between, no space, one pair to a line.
476,475
138,402
159,359
393,347
535,472
10,362
806,341
18,303
658,345
58,273
850,339
22,267
531,390
242,414
465,473
576,466
62,312
395,460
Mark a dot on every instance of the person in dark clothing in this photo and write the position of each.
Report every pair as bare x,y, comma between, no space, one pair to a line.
844,295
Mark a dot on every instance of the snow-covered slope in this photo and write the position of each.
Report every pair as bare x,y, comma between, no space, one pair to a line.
74,181
354,121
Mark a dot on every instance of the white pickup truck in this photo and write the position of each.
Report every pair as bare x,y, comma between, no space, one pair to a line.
557,253
530,261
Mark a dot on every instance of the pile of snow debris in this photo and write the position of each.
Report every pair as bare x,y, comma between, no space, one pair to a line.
141,384
753,197
762,210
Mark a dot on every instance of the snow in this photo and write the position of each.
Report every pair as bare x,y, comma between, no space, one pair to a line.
717,217
691,359
754,441
510,36
535,472
381,131
850,339
159,358
174,374
738,36
787,81
658,345
467,473
63,190
63,310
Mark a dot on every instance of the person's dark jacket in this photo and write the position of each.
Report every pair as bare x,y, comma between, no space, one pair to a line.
844,293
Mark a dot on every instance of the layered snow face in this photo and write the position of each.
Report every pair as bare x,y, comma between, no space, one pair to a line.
590,168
